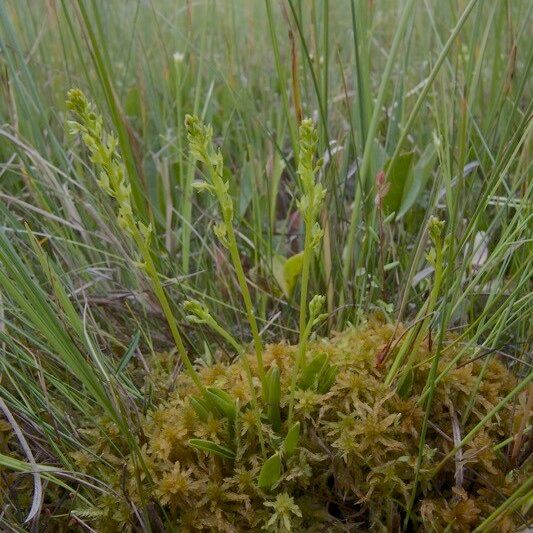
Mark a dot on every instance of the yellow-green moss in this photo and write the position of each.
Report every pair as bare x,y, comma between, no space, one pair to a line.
355,464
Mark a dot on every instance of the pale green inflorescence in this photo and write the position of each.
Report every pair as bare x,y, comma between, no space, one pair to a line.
312,199
103,146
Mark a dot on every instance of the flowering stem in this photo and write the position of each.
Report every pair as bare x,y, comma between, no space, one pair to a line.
309,206
167,311
114,180
201,315
300,358
201,146
258,346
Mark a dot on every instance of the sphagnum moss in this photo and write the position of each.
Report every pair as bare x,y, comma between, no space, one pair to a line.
354,465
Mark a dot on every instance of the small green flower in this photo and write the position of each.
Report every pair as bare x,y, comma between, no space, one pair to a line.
103,147
435,227
313,193
113,180
198,312
316,304
221,231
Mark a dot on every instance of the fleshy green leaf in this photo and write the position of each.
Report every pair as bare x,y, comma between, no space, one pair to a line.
212,447
398,174
274,395
201,407
270,472
327,378
222,400
291,440
286,272
312,371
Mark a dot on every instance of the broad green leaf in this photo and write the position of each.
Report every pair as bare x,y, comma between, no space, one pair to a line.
286,272
312,370
212,447
270,472
201,407
222,401
291,440
274,395
327,378
398,174
417,180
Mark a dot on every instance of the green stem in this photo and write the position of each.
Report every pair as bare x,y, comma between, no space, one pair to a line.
167,311
304,328
413,338
215,326
227,215
236,259
300,357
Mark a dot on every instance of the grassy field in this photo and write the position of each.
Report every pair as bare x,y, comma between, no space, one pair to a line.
422,113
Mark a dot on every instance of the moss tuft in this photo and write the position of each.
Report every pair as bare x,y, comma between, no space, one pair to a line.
354,467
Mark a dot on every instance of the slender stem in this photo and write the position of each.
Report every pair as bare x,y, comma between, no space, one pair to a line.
237,264
214,325
300,357
425,422
236,259
167,311
427,310
304,329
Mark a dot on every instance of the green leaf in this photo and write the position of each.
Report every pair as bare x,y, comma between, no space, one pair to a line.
327,378
270,472
417,180
286,272
291,440
222,401
201,407
132,346
212,447
312,370
273,397
406,384
398,174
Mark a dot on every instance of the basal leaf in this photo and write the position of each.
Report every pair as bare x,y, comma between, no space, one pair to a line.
398,174
274,395
291,440
312,370
270,472
287,271
222,400
212,447
417,180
